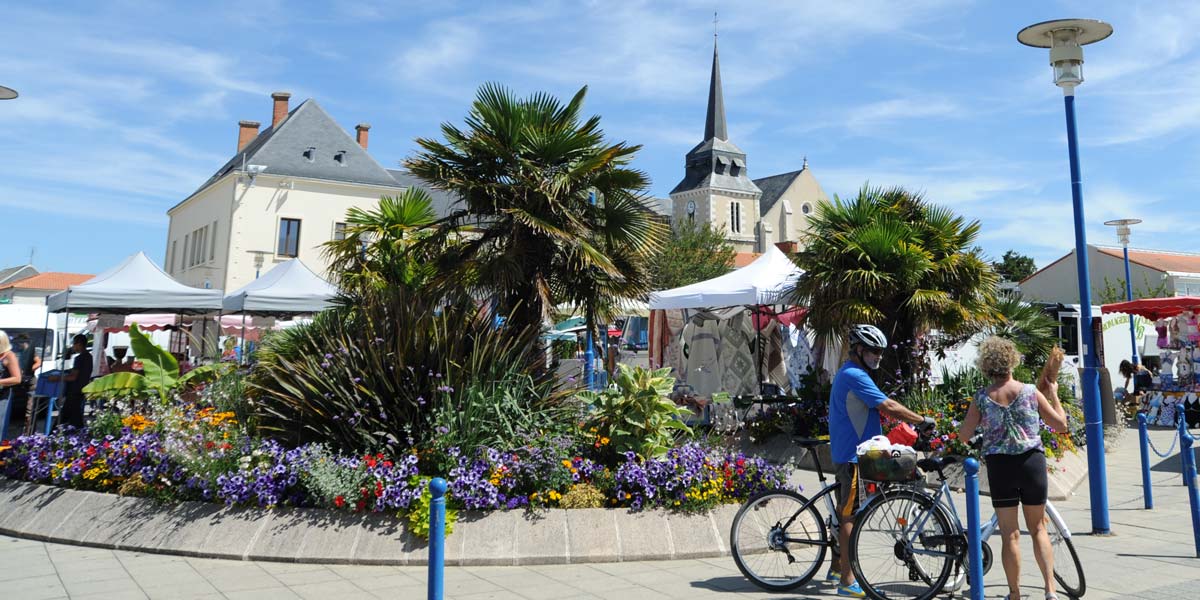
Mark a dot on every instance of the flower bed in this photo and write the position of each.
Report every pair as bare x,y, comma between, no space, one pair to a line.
198,454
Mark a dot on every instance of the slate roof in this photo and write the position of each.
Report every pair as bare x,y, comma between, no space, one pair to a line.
10,274
773,188
282,150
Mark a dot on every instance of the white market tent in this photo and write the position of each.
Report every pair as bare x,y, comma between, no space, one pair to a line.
291,288
136,285
767,280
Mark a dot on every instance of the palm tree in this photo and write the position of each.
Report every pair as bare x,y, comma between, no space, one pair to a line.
1032,330
890,258
376,250
523,170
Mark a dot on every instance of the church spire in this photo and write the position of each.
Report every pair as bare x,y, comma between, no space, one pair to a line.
714,123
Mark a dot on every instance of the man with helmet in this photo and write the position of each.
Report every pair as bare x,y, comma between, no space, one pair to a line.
855,405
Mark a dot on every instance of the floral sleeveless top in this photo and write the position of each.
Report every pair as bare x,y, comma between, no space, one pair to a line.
1011,429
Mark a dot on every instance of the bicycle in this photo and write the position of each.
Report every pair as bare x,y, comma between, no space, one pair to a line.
908,544
779,538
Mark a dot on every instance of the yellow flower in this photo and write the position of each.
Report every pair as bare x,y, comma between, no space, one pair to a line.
566,463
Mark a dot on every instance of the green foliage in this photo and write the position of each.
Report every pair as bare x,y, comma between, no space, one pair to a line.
160,378
107,422
891,258
529,237
1032,330
364,375
692,253
1014,266
418,513
1113,292
636,412
500,412
227,393
582,495
377,248
326,478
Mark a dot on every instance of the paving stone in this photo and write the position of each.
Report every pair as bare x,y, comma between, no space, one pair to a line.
273,593
592,535
644,535
489,539
180,530
542,539
694,536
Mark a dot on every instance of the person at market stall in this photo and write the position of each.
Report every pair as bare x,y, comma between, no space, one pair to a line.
76,379
1010,414
855,404
1142,378
29,362
121,363
11,364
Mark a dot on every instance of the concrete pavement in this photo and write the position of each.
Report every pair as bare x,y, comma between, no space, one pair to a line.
1149,555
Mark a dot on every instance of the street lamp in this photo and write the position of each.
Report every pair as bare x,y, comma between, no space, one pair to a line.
1122,226
1066,38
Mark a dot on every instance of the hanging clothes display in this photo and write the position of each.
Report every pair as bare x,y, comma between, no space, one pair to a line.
798,353
776,370
673,353
737,359
702,349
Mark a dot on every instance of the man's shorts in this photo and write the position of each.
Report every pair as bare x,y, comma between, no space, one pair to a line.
846,475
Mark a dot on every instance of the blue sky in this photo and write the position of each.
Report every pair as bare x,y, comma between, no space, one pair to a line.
126,107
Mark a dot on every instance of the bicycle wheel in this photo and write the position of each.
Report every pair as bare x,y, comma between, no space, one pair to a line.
891,558
775,544
1068,572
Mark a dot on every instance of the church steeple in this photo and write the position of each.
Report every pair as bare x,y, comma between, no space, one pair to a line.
714,124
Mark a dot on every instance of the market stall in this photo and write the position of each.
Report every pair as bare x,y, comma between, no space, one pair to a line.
286,291
1176,384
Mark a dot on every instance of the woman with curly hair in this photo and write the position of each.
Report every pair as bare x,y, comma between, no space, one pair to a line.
1009,414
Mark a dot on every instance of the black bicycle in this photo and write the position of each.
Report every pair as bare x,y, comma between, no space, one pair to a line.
779,537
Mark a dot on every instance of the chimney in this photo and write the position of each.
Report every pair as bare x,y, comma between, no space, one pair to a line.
280,107
788,247
247,131
361,138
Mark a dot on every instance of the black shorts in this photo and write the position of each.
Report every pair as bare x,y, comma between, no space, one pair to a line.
846,475
1017,479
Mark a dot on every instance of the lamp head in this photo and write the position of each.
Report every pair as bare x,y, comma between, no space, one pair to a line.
1065,38
1122,226
7,93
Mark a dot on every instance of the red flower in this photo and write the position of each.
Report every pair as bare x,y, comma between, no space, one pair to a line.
387,463
209,445
106,445
339,501
741,462
91,451
378,489
362,504
370,461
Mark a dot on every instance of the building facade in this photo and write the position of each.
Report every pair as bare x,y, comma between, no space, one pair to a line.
283,194
1152,272
717,189
36,288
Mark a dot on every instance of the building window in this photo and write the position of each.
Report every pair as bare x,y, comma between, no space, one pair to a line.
212,244
289,238
187,255
735,217
174,247
340,157
339,232
310,153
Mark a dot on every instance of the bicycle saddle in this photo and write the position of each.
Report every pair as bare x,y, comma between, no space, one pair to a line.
936,463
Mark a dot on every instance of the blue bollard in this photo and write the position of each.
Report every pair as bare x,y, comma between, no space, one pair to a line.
974,544
437,538
1181,428
1189,468
1144,442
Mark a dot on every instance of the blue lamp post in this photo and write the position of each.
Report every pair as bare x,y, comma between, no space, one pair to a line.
589,353
1122,226
1066,38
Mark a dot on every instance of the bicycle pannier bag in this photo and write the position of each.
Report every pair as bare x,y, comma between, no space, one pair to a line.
897,464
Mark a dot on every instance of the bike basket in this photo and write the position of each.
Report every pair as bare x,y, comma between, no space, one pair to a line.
888,465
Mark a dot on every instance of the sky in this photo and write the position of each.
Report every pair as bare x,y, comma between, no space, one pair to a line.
127,107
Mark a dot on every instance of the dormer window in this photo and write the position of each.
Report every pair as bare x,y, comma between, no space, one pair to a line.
737,168
310,153
340,157
722,165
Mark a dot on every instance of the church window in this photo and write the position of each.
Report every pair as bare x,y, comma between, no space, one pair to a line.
735,217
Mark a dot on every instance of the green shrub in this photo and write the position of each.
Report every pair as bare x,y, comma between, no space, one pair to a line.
636,412
366,375
418,513
582,495
327,478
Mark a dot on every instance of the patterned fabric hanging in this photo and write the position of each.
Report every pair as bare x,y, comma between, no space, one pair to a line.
737,358
798,353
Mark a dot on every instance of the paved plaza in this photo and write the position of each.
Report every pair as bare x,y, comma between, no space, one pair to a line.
1150,555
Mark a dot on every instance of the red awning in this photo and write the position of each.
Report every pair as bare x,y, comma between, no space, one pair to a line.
1154,308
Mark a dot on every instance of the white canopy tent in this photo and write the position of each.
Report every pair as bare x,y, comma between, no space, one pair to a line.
291,288
764,281
136,285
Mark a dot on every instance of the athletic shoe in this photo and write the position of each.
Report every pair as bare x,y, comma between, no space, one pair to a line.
853,590
833,575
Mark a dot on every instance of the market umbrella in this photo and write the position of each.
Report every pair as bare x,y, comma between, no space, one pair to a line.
1155,308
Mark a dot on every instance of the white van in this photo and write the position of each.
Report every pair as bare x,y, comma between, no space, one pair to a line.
46,335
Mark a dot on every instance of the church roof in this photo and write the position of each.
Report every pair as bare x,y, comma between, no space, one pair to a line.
773,188
694,179
714,121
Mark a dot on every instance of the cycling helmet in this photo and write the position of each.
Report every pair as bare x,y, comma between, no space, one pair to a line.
869,336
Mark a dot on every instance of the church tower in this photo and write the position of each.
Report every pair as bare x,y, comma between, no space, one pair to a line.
716,189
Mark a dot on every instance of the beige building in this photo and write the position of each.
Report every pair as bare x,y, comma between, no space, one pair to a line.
1176,273
283,194
717,190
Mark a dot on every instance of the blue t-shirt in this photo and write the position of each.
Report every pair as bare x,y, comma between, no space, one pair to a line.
853,412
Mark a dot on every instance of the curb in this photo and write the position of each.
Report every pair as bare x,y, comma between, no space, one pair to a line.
309,535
